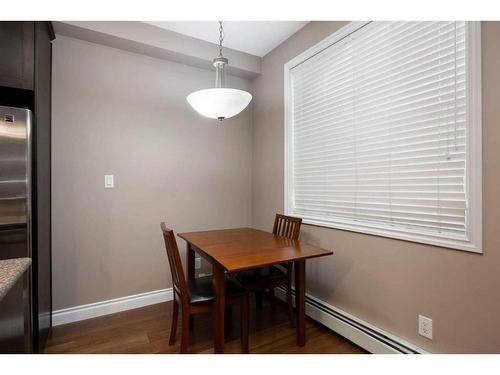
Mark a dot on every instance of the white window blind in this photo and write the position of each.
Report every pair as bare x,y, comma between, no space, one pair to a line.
378,132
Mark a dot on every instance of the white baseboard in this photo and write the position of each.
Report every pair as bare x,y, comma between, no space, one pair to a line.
367,336
92,310
363,334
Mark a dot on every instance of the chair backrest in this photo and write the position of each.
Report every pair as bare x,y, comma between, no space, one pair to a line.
287,226
174,260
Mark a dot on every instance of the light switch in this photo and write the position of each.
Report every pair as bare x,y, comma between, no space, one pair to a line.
109,181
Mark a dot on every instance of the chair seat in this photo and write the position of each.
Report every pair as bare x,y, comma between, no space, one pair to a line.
260,276
201,290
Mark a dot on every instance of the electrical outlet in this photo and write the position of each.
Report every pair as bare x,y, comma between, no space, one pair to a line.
425,326
197,263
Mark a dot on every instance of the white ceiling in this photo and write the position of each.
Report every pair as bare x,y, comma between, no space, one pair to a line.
254,37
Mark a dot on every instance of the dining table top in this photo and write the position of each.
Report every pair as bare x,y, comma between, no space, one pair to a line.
245,248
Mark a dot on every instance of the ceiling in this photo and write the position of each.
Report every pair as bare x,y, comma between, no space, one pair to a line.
253,37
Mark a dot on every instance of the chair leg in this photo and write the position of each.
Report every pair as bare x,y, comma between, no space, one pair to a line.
173,329
185,331
289,301
244,323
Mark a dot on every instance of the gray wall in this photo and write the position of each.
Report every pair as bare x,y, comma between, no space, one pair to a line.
389,282
116,112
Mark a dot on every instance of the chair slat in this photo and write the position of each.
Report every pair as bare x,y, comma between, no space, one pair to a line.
287,226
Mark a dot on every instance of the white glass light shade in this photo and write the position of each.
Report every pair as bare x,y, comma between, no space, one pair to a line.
219,103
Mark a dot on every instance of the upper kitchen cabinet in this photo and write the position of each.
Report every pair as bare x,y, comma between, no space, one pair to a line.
17,51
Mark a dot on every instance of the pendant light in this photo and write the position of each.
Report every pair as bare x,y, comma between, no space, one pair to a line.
219,102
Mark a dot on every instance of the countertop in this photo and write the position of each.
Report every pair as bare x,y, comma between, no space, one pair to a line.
10,271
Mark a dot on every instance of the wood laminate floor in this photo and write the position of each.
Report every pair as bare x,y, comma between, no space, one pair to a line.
146,330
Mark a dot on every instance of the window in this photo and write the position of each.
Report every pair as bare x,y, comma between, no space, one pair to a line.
383,132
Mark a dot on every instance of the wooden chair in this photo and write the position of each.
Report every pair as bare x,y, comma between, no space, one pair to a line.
197,296
268,278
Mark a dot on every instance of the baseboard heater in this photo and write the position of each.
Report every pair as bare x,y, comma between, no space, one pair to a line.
392,344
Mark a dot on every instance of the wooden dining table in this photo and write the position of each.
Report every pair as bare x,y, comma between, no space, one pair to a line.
233,250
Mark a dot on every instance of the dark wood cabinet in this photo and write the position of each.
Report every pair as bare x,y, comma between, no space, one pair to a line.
18,54
14,319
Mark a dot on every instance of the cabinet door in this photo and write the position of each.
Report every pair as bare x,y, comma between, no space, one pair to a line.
17,51
14,319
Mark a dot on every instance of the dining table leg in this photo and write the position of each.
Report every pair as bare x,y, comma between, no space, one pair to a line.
220,304
300,300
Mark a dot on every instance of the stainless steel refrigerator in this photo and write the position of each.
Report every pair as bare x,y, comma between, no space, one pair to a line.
15,184
15,201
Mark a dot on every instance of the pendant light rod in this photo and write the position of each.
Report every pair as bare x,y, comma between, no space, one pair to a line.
220,72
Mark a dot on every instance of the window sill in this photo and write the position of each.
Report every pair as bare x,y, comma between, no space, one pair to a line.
379,231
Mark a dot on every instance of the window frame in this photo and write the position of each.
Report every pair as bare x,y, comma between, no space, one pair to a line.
473,240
